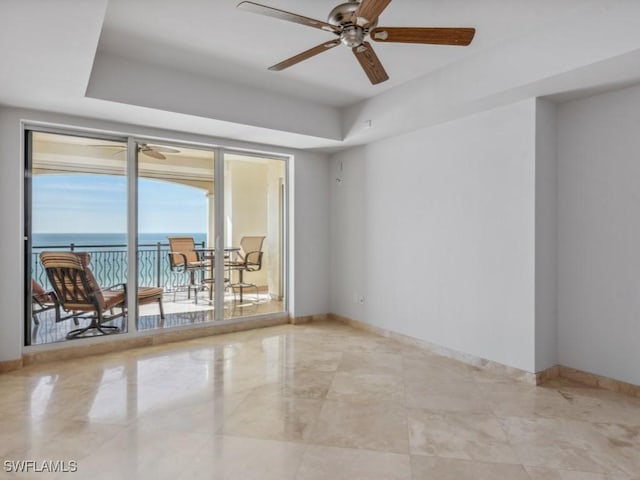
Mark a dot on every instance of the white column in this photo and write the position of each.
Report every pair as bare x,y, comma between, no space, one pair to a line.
211,219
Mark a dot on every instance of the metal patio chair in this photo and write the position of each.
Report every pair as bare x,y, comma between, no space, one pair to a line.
247,259
81,297
184,261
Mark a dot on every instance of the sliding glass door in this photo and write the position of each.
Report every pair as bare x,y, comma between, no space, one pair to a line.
175,234
78,203
206,230
254,234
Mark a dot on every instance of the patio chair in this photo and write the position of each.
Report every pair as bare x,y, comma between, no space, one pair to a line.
184,260
81,297
247,259
43,301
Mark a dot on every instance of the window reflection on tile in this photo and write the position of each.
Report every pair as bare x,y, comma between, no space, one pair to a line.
308,402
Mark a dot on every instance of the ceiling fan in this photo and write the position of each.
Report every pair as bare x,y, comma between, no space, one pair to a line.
153,151
355,21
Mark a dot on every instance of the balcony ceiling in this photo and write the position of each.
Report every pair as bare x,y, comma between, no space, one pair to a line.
63,154
200,66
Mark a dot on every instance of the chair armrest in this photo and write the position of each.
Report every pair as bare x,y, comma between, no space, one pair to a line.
249,255
179,268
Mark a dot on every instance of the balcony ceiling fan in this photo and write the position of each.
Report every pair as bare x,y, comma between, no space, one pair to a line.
355,21
153,151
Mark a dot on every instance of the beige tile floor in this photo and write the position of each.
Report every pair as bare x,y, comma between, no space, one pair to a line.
319,401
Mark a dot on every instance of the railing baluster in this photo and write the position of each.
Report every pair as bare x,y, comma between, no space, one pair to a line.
110,266
158,264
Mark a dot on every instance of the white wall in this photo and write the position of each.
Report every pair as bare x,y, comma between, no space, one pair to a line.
546,236
311,231
434,231
11,234
563,54
308,285
599,234
247,213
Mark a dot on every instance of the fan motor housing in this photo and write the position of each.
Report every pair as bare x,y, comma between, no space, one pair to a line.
343,15
354,29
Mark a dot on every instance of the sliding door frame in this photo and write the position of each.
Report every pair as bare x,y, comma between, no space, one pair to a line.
284,253
28,129
132,142
132,236
218,228
27,202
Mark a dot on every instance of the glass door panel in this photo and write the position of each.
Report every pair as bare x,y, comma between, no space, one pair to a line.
176,235
254,235
199,257
77,193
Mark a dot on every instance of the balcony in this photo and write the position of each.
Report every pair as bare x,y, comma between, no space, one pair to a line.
81,191
109,265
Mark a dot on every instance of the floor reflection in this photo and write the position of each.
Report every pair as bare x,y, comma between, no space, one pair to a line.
310,402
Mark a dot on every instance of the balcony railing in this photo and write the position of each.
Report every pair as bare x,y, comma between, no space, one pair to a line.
109,263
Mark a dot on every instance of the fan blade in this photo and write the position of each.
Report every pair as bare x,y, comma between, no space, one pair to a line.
164,149
288,16
435,36
370,63
304,55
371,9
120,148
153,154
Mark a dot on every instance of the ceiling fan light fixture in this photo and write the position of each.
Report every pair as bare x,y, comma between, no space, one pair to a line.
352,36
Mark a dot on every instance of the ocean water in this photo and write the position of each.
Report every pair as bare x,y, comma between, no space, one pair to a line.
105,240
109,255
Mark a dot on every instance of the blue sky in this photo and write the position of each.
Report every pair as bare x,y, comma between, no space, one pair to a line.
97,204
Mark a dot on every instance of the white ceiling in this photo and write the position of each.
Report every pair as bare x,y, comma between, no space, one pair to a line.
200,66
216,39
